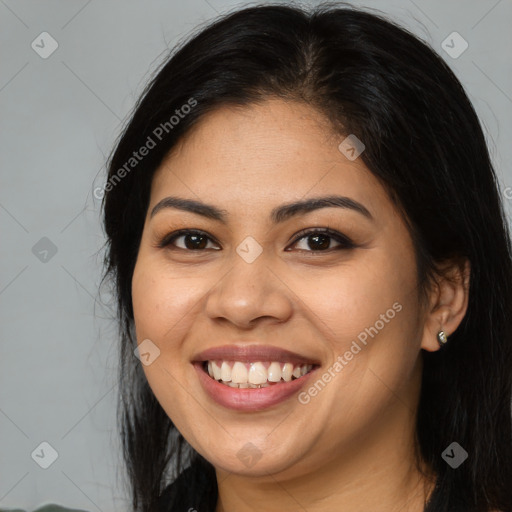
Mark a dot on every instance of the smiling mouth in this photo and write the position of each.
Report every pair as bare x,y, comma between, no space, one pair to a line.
255,375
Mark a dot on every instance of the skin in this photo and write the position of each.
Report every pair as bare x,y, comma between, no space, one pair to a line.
351,447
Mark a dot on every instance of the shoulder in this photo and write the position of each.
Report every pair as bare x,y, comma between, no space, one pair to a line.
46,508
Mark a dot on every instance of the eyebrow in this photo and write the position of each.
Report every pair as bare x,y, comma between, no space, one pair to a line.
277,215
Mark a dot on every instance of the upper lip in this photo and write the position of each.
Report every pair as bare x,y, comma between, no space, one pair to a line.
252,353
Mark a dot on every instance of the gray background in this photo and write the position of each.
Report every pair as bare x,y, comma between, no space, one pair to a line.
59,119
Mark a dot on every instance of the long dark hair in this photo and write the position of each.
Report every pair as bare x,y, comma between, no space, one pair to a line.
424,142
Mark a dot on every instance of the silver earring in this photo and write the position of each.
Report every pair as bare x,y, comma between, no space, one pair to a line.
441,338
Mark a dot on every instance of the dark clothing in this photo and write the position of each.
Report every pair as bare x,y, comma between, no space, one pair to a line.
179,497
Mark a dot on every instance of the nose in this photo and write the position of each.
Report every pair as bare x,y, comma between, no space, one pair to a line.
249,292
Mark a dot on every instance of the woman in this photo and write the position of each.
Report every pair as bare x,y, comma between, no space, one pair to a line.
313,266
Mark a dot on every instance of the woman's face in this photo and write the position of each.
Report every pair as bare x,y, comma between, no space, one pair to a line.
263,280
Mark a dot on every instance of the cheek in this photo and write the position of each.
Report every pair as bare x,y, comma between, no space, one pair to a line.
369,322
163,304
368,316
353,297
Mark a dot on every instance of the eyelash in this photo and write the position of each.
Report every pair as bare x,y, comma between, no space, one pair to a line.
345,242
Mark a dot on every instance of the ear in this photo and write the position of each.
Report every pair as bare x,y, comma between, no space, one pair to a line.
448,302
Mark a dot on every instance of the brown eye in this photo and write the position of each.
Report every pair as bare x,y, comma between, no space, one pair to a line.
321,240
192,240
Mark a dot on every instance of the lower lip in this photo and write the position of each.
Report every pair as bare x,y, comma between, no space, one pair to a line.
249,400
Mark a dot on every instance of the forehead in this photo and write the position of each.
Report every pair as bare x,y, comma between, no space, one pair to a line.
271,152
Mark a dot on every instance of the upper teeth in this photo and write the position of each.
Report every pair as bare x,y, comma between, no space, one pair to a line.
242,374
